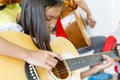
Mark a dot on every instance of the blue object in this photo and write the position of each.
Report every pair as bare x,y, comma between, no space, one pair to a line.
101,76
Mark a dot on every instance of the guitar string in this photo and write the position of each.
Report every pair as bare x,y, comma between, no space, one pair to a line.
64,70
60,66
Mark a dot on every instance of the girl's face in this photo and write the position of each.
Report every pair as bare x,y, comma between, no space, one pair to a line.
52,13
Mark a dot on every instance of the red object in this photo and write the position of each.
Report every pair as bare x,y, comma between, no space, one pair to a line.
116,69
59,29
110,44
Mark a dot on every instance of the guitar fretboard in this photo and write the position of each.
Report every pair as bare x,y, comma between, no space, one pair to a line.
80,62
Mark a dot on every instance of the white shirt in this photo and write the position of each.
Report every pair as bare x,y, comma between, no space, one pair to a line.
11,26
17,27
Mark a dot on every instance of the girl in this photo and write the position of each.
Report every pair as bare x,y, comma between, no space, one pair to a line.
37,19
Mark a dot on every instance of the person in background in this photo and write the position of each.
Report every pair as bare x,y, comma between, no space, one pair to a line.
9,11
83,5
97,42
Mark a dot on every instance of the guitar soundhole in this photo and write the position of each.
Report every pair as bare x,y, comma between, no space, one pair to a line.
60,71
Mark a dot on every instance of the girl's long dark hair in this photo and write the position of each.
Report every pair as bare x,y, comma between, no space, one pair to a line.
33,21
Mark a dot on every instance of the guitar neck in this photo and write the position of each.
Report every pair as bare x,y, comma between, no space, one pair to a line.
80,62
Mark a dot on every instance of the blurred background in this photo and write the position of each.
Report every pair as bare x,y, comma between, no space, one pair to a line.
107,15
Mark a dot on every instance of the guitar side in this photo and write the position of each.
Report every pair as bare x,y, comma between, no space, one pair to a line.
13,69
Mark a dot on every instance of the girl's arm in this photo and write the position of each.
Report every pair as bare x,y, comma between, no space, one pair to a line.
40,58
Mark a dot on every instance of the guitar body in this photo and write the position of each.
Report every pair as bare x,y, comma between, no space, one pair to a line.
74,26
76,31
13,69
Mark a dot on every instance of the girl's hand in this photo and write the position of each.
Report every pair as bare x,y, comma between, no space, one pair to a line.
102,65
43,58
91,21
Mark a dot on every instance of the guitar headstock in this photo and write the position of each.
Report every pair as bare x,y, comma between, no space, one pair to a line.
116,53
117,50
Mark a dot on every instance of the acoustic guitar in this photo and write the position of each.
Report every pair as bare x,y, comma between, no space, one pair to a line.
74,25
68,69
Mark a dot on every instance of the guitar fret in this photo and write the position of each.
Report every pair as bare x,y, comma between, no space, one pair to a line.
79,62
